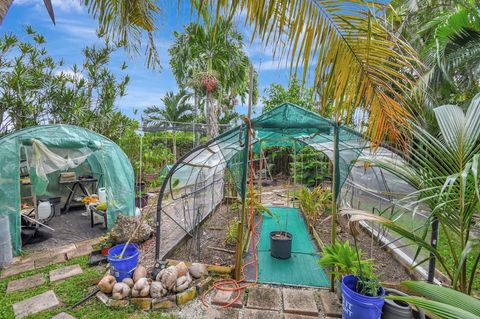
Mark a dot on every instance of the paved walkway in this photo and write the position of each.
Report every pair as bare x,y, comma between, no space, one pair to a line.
48,257
266,302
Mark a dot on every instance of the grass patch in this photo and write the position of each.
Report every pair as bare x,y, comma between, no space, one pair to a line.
68,292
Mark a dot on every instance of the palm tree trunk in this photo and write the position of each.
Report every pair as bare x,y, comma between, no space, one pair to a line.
213,108
212,120
175,145
4,6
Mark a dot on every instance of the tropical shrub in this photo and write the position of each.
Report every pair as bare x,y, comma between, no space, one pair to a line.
154,154
342,259
311,167
444,170
314,202
36,89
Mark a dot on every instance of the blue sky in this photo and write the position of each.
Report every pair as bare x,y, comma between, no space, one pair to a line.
75,29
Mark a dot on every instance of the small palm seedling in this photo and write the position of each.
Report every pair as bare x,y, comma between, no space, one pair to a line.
232,231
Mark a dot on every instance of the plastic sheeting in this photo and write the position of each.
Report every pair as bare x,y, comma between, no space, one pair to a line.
194,185
105,160
43,161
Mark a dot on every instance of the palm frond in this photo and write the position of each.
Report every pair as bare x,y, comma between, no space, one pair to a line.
357,62
124,22
436,309
445,296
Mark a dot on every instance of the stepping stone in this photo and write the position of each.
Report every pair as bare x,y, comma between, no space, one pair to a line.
295,316
330,304
264,298
45,301
221,313
49,260
80,250
18,268
300,302
260,314
223,298
25,283
63,315
66,272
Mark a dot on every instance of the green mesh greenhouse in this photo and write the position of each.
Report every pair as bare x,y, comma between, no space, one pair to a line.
49,150
195,185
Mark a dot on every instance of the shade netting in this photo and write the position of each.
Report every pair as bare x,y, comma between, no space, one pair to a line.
194,186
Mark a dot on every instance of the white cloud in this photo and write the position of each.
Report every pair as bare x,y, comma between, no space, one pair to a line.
58,5
77,30
76,76
271,65
141,98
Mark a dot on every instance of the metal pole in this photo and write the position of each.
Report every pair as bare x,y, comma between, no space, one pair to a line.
335,187
433,243
140,169
250,93
243,186
195,98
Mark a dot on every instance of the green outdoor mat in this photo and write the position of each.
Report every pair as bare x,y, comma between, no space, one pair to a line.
302,268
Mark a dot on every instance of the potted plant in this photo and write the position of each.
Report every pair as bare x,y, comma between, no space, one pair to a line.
141,199
281,244
362,294
342,260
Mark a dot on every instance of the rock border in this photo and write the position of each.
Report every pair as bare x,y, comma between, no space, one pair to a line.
168,302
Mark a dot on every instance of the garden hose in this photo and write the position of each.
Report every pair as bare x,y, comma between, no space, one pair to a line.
240,285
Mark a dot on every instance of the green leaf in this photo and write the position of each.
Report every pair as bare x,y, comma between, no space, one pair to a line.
446,296
435,308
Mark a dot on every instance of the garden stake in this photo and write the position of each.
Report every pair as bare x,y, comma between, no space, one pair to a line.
135,231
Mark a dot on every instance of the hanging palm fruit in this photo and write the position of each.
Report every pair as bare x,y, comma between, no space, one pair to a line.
209,82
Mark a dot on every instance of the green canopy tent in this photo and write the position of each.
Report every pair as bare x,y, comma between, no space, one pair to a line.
194,186
48,150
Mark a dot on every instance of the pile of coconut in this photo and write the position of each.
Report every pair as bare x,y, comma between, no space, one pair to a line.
173,279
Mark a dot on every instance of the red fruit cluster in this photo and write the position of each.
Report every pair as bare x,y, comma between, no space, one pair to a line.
209,83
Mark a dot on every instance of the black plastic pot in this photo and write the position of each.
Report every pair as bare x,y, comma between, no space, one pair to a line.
393,309
141,200
281,244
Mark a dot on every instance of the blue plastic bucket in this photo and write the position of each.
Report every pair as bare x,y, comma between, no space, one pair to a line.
357,306
123,268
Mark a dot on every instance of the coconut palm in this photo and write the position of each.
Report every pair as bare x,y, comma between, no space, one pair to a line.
121,22
444,171
209,57
447,35
358,62
175,110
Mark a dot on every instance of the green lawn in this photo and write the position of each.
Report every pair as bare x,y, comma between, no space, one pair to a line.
69,292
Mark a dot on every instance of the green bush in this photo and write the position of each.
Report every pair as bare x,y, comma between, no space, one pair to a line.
311,167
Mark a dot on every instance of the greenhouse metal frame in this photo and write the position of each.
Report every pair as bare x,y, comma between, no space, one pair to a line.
194,186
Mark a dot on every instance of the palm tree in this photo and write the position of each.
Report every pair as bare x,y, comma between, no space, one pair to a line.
444,171
175,110
447,34
210,58
359,63
121,22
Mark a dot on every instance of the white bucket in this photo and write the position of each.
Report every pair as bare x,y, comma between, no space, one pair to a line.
102,195
6,253
44,209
